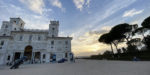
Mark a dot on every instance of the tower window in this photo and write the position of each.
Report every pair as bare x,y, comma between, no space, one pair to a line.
53,29
14,21
52,42
14,28
6,26
52,35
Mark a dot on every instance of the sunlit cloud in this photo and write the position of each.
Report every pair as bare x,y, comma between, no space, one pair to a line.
132,12
86,38
89,42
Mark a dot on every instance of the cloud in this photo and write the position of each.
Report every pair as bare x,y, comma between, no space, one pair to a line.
34,5
57,3
104,29
95,22
81,3
132,12
88,43
85,39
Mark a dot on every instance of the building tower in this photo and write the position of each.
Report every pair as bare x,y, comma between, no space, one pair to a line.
53,28
14,24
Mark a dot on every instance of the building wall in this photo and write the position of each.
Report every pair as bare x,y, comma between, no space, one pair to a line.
40,41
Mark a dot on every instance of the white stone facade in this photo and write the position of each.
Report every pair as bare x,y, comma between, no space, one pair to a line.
38,45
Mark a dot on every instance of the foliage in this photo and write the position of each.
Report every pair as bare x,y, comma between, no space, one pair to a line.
134,41
125,31
146,23
132,48
106,38
147,41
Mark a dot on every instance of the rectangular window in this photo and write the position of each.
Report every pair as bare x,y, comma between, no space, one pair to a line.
21,25
8,58
44,56
52,35
30,37
20,39
4,34
66,42
39,38
66,55
59,42
2,42
52,47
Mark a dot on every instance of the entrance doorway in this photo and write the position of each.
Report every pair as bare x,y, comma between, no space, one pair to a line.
17,55
28,53
37,57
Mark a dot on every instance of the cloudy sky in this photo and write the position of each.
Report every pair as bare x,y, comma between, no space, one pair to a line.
84,20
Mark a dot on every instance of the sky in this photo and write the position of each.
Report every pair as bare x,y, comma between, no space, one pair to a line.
84,20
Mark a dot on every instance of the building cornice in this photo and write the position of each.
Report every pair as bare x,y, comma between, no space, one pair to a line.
60,38
4,37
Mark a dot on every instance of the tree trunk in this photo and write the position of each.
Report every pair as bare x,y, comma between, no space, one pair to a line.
115,46
127,39
143,36
112,48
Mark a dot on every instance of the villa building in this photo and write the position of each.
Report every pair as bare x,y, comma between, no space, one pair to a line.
37,45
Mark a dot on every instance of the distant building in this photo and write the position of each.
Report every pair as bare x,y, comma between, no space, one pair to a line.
38,45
